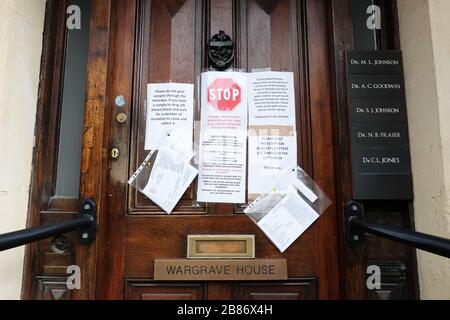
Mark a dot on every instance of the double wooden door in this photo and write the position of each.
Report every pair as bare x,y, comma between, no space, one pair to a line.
134,43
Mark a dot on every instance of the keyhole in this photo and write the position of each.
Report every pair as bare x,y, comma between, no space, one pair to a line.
115,153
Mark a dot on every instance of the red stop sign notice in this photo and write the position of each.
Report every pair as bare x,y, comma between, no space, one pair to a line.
224,94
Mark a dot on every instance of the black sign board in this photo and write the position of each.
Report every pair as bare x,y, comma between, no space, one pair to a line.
384,187
381,161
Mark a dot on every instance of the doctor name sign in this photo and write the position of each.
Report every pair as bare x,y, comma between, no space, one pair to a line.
381,164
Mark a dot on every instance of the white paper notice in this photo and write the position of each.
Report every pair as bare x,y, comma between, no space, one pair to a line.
170,177
287,221
269,156
223,138
170,110
271,98
272,129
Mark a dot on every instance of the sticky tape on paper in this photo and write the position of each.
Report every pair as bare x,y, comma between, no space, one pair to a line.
307,192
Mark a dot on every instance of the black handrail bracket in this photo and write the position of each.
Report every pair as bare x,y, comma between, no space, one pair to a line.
355,236
87,234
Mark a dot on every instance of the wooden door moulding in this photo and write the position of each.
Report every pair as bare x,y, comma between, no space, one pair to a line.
44,207
93,161
341,39
121,62
323,168
46,129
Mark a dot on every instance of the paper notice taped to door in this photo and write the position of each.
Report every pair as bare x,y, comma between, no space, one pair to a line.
223,138
272,128
170,110
287,221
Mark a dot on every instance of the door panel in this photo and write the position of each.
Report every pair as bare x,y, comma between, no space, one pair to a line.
53,288
142,290
165,238
295,290
163,41
166,52
271,38
271,34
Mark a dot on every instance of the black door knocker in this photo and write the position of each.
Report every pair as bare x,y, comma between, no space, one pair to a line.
221,51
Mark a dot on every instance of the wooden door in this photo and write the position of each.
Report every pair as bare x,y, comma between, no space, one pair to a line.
138,42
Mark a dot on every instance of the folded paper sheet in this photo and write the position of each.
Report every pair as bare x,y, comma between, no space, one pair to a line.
167,179
287,221
292,205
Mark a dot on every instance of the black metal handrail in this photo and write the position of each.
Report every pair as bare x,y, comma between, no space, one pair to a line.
86,224
357,227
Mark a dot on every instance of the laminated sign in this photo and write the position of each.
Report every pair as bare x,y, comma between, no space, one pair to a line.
164,177
294,203
223,138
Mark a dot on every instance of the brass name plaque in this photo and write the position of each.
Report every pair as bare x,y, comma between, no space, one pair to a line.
220,270
221,247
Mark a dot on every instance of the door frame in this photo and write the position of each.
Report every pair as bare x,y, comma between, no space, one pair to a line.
95,158
44,207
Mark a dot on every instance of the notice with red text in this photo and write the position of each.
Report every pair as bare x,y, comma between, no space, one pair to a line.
223,138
